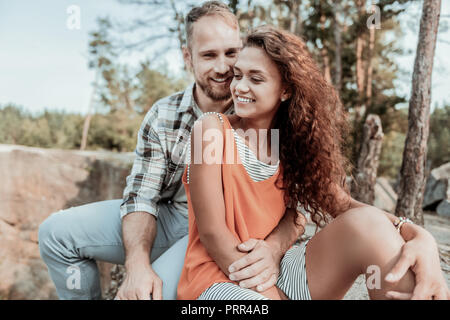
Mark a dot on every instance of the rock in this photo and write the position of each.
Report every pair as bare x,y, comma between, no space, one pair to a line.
35,183
385,196
437,187
443,209
117,274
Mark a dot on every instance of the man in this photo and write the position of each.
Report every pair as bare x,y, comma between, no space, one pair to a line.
153,215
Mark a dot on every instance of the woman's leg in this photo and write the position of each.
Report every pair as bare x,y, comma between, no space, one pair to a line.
361,240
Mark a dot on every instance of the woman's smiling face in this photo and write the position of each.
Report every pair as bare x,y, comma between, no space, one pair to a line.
257,87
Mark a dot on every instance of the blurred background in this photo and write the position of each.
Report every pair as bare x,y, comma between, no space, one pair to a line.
77,78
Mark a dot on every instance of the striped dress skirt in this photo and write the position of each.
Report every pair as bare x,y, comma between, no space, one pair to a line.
292,281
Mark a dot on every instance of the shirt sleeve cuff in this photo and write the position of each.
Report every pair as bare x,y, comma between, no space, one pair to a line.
128,206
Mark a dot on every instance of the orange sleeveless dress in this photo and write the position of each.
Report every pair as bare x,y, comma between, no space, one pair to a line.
252,210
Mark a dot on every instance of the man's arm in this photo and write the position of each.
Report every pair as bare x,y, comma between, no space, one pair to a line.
139,211
261,266
138,233
286,233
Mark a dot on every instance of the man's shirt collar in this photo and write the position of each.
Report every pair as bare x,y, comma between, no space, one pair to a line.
188,101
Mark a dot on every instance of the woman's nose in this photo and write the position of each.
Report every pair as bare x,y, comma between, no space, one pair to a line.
241,86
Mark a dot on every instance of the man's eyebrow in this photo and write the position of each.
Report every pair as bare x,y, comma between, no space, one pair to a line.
208,51
215,50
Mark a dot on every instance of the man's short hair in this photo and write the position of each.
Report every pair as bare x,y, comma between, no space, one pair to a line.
208,8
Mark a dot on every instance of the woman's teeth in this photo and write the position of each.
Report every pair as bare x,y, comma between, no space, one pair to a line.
246,100
220,79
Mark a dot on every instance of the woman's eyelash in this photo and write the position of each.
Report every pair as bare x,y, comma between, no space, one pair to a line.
238,76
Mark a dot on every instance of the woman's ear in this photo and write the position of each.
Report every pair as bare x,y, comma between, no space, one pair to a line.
285,95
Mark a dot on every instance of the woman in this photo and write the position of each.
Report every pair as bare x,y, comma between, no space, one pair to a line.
235,195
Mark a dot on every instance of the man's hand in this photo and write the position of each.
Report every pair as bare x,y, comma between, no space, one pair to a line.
420,254
140,283
138,233
259,268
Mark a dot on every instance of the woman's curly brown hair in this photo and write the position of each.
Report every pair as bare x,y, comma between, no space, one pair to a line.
312,123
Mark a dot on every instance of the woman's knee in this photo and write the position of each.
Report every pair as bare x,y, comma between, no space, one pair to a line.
367,222
368,231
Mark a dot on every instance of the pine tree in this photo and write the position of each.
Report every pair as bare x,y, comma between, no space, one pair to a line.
412,173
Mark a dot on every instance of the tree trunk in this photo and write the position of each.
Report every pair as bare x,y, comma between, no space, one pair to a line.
179,20
363,185
324,52
412,172
294,17
359,64
369,69
338,43
359,108
87,120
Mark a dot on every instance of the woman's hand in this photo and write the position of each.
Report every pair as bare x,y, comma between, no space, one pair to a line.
420,253
259,269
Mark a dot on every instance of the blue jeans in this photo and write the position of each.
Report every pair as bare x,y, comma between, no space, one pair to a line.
70,242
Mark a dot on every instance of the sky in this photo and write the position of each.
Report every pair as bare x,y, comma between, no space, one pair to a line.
43,55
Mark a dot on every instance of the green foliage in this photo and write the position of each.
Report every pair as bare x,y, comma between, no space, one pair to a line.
121,86
154,85
439,138
394,140
11,129
391,154
116,131
48,130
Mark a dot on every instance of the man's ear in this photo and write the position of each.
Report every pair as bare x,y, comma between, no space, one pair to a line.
187,57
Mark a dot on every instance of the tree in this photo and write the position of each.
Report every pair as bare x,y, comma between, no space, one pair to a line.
363,186
154,85
412,172
157,29
101,56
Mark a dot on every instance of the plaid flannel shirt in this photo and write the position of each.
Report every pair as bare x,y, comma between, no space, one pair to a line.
160,151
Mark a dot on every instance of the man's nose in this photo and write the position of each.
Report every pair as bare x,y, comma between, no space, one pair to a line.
221,67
